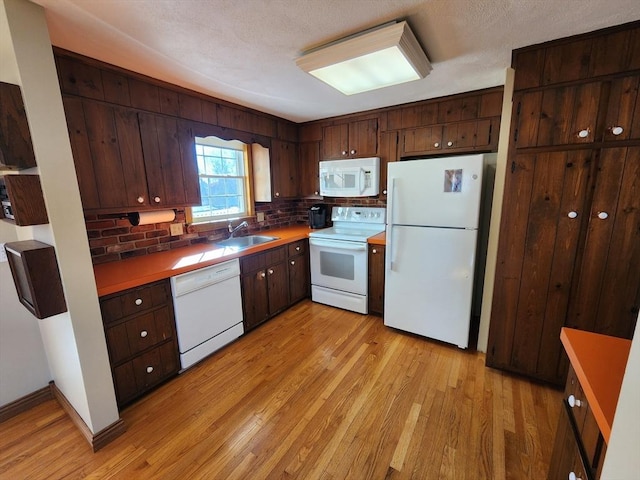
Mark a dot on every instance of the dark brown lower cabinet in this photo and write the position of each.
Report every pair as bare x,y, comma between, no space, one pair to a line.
265,285
376,279
141,338
299,276
273,280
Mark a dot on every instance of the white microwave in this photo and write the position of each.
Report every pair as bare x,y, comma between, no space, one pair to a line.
359,177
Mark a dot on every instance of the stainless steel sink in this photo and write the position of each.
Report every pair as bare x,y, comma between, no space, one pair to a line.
245,242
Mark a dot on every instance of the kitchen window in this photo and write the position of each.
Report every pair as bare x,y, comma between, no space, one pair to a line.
223,169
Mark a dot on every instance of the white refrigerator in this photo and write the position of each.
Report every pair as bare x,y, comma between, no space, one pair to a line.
433,210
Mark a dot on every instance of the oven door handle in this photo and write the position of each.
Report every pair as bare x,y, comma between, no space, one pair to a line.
352,246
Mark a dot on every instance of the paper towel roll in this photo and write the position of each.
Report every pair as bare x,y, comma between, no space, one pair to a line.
146,218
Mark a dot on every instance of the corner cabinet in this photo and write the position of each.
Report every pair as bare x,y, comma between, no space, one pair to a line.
141,338
358,138
569,247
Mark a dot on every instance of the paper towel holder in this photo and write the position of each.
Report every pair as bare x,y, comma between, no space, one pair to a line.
154,216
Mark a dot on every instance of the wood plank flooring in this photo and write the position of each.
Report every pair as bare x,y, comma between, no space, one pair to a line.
315,393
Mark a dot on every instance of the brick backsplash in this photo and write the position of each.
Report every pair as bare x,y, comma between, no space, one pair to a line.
112,237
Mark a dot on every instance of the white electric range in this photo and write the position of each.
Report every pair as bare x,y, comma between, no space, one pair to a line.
339,271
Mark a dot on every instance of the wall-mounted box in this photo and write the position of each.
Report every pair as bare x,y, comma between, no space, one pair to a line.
22,200
35,274
16,148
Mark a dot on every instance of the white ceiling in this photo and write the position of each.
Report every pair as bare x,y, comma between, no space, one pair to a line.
244,51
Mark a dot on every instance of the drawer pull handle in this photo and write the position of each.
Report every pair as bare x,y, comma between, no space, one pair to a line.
138,301
144,333
573,476
149,369
574,402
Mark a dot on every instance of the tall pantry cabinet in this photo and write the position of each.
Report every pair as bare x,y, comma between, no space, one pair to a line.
569,248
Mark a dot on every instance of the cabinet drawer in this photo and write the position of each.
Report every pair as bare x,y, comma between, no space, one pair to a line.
138,334
297,248
134,301
145,371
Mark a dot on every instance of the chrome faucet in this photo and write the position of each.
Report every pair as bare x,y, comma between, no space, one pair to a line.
232,230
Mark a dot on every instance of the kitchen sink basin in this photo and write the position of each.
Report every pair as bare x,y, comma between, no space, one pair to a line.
245,242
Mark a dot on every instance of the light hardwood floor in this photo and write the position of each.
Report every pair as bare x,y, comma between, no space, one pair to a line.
315,393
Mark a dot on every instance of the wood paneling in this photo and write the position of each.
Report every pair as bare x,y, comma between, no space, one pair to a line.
317,392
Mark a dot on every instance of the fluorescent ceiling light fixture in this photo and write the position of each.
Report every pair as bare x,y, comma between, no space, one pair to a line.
377,58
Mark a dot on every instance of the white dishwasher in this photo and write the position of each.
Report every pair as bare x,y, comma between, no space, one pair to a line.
208,309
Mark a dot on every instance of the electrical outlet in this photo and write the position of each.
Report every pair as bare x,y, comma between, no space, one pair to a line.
176,229
260,216
3,253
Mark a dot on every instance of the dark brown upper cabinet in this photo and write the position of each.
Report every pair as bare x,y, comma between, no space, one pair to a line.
350,140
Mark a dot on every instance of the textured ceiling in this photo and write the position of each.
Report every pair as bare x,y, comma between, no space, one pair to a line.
244,51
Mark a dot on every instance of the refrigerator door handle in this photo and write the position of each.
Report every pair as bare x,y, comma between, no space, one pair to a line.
390,196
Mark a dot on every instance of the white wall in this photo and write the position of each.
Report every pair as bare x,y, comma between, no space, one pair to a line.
74,341
20,341
496,211
622,461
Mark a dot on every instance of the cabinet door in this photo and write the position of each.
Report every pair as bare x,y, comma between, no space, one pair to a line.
376,279
543,210
606,297
278,287
623,110
309,169
284,169
116,154
298,278
363,138
255,300
169,158
16,147
419,140
388,153
559,116
335,142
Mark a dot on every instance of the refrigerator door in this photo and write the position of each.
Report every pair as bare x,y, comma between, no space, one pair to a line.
440,192
429,280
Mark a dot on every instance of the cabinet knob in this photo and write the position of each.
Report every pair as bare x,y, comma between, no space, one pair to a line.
353,152
144,333
572,214
293,262
138,301
574,402
583,133
262,274
374,251
316,193
140,199
277,194
149,369
617,130
298,248
270,271
156,199
344,153
436,145
384,192
603,215
573,476
449,144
